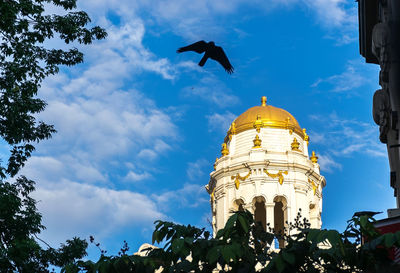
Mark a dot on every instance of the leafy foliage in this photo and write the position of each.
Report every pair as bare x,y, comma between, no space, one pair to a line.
243,246
20,223
25,62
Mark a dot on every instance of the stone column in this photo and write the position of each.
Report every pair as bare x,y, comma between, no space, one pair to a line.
269,207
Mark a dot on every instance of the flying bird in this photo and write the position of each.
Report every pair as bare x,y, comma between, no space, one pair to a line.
211,51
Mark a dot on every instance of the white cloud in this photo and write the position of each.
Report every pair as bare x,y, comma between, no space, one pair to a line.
328,164
98,118
356,74
220,122
340,137
191,195
195,170
195,20
132,176
213,91
126,41
72,209
333,13
95,129
101,122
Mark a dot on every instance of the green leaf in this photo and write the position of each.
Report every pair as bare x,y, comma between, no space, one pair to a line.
213,254
374,243
228,254
189,240
243,223
389,239
231,221
279,263
363,221
289,257
313,234
334,237
156,237
397,235
177,245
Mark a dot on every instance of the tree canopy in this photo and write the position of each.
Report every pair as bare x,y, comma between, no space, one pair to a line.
243,246
24,63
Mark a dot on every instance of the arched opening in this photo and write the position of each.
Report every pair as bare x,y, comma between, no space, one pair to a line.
280,218
238,205
260,213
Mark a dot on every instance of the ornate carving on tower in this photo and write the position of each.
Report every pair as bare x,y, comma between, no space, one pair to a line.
237,178
232,130
313,185
288,126
381,47
381,113
295,145
257,142
258,123
306,137
224,150
211,192
314,158
278,175
215,163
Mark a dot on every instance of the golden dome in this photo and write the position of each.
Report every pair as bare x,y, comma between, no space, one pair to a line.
266,116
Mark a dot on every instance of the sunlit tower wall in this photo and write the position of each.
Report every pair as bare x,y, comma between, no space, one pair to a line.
265,168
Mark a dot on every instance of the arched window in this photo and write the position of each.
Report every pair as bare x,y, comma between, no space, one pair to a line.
260,213
238,205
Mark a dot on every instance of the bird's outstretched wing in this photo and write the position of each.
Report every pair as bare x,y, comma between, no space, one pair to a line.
222,59
198,47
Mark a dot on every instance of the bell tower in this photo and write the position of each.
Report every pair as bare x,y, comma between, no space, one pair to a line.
265,167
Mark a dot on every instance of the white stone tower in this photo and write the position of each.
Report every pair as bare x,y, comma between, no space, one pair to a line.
265,168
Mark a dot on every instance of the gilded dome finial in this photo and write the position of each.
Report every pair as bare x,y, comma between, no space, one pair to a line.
257,142
295,145
314,158
258,123
306,137
232,130
224,150
263,101
215,163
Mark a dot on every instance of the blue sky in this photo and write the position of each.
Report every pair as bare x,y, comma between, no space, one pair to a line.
139,126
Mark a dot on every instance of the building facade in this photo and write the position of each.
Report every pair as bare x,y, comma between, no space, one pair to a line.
265,168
